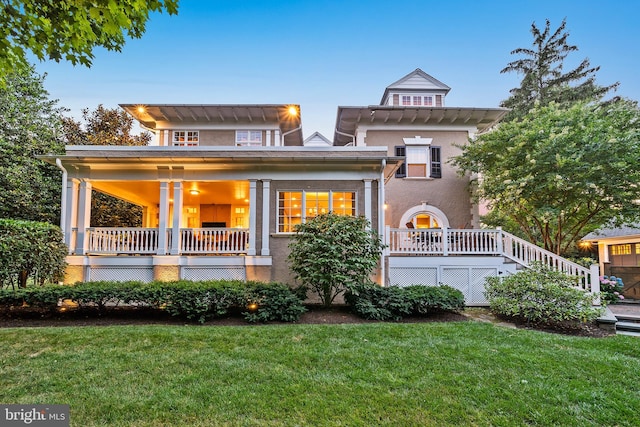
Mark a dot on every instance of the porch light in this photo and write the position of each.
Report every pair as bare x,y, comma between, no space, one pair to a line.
141,109
194,192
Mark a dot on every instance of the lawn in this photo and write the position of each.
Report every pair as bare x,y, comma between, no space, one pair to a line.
375,374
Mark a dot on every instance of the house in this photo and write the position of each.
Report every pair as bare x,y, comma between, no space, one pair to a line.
619,255
224,186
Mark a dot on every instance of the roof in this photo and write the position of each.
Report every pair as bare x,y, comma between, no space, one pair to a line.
154,116
317,139
417,80
349,118
632,231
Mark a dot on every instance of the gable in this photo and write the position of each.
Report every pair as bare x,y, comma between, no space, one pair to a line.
416,81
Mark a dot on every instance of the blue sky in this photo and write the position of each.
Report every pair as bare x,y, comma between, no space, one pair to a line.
325,53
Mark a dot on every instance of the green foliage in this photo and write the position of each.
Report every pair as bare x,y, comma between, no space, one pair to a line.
70,30
30,251
394,302
332,253
30,125
611,289
544,79
195,301
559,174
541,296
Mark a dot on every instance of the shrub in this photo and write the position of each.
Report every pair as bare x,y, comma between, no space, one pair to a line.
611,289
268,302
332,253
394,302
541,296
30,250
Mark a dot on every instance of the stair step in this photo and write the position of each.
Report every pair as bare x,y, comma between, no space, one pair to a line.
628,317
628,326
628,333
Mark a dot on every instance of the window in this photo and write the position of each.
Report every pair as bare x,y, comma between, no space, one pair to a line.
295,207
421,161
406,100
428,101
438,100
621,249
417,100
186,138
249,138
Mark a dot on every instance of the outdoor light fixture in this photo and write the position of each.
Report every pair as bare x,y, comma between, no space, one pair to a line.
141,109
293,111
194,192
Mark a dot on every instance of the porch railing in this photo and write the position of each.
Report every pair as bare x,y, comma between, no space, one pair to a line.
444,242
130,240
214,240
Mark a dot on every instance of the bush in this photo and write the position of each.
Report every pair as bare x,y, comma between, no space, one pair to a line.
332,253
611,289
541,296
30,250
195,301
393,303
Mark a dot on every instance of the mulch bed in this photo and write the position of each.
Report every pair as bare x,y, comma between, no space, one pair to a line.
315,315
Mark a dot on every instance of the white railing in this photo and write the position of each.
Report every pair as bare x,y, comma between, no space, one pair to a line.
130,240
445,242
213,240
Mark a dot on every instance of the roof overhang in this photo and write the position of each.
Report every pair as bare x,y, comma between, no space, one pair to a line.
350,118
153,116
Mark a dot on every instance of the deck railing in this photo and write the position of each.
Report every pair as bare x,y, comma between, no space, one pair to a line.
214,240
129,240
444,242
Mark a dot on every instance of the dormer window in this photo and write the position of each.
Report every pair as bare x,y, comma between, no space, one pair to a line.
186,138
248,138
431,100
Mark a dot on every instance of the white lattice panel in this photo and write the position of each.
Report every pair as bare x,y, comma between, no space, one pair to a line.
407,276
120,274
213,273
457,277
476,288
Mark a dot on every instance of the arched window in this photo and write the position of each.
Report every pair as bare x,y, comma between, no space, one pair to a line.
424,216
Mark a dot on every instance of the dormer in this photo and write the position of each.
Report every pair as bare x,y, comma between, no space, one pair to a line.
416,89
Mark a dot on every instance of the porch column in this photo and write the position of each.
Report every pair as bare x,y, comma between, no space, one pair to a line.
163,218
71,213
177,217
268,138
84,217
253,205
367,200
276,137
266,210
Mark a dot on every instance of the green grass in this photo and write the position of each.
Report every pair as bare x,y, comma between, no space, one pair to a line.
377,374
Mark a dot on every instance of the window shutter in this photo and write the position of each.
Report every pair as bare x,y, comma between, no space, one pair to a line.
396,99
402,170
436,163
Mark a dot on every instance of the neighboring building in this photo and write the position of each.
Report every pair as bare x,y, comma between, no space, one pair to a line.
619,255
226,184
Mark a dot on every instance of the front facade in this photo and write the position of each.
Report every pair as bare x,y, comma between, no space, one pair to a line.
224,186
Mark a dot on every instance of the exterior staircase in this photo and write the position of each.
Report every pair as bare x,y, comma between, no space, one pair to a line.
627,317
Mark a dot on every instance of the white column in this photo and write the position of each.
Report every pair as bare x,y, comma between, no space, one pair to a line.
268,138
71,213
177,217
276,138
253,205
165,138
84,217
367,200
163,218
266,211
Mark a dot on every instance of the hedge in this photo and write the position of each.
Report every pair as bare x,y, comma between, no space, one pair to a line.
195,301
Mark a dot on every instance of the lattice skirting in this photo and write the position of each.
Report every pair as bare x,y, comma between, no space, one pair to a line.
121,274
468,279
213,273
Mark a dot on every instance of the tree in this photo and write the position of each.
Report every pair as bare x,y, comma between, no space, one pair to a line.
332,253
70,29
106,126
30,124
560,173
544,80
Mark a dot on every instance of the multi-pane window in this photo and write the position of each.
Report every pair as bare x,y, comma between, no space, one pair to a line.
417,100
428,101
296,207
186,138
422,161
249,138
406,100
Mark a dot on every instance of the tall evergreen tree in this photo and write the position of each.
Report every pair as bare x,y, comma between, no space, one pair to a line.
544,79
107,126
30,124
